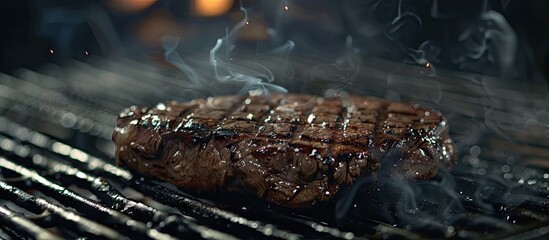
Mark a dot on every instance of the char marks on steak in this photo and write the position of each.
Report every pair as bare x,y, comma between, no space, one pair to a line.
290,149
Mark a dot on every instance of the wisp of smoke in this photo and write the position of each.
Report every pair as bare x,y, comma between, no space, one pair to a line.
253,77
257,80
170,44
340,74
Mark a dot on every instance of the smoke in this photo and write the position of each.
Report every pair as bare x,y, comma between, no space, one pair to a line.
488,41
461,57
253,78
457,204
447,48
338,75
171,55
283,53
257,79
402,27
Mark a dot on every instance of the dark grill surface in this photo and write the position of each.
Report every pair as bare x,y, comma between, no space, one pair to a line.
58,178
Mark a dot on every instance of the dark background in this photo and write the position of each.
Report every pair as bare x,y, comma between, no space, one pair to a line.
29,34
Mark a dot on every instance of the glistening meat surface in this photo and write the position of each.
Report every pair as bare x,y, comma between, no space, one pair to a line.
290,149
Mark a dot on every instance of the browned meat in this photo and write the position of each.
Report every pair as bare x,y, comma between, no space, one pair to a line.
290,149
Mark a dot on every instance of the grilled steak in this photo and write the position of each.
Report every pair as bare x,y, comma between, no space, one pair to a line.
290,149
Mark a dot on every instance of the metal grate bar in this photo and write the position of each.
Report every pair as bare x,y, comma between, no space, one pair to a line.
21,227
68,175
61,216
75,200
206,213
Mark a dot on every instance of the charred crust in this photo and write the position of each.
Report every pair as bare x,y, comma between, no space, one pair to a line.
225,133
291,149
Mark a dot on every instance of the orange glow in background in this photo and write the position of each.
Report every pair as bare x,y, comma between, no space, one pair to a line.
211,8
157,24
130,5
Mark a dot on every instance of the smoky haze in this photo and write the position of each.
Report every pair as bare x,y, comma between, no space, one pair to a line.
473,60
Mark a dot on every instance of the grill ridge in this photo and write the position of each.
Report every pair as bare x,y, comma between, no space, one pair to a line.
37,205
21,227
75,200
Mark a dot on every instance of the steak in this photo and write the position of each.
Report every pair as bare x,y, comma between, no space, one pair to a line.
290,149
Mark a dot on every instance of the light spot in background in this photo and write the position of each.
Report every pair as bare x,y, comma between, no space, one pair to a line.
475,151
159,23
256,31
129,5
86,53
52,51
211,8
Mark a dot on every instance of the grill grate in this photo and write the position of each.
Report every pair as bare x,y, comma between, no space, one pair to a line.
67,175
58,178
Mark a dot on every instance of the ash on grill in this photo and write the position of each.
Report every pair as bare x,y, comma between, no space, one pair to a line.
58,179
